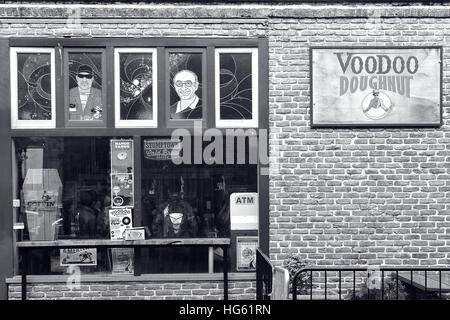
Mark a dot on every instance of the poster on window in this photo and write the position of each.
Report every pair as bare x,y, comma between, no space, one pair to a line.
121,156
162,149
376,86
119,221
122,193
246,253
78,257
122,260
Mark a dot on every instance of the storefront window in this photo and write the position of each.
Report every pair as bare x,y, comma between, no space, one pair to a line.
187,201
64,186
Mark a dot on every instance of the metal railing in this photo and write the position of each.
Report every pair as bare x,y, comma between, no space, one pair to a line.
264,275
431,284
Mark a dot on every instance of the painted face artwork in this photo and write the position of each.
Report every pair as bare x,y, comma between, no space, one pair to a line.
84,83
186,84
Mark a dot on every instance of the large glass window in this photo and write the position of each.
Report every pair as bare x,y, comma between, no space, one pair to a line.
64,186
187,201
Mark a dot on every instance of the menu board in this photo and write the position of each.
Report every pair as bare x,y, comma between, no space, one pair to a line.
119,221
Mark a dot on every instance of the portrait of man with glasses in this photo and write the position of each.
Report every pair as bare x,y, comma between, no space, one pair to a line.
85,101
185,83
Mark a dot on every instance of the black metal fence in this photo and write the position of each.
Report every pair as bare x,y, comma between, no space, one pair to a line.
383,283
264,275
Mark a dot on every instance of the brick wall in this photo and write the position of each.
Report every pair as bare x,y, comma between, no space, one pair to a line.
342,196
242,290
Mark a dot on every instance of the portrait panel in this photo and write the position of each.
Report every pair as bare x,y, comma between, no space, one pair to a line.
85,95
186,87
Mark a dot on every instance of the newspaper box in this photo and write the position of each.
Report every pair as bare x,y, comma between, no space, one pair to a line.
42,191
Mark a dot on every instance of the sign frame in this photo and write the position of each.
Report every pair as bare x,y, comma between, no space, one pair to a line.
245,239
374,125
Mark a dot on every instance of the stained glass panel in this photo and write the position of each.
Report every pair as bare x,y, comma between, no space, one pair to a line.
236,86
136,86
186,85
34,100
85,86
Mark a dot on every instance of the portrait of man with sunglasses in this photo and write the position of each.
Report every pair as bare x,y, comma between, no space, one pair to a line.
185,83
85,101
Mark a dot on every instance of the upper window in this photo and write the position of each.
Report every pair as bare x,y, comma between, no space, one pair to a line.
236,87
186,86
162,85
85,92
135,87
32,88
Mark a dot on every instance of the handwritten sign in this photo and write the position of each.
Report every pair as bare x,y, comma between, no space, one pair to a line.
161,149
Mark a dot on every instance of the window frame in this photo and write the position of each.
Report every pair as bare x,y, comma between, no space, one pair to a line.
16,123
119,123
260,45
238,123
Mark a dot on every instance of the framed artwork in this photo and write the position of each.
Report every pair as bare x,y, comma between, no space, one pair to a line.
186,86
376,87
85,95
32,88
246,253
236,92
135,87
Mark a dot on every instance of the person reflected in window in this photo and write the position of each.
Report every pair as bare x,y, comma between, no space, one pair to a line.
186,85
86,216
174,217
85,101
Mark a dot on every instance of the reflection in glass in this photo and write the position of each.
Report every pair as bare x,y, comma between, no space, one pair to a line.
187,201
85,86
34,86
235,86
64,187
136,87
185,85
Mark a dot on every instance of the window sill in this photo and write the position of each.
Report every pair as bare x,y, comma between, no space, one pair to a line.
175,277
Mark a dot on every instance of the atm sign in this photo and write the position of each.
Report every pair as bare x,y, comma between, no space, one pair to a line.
245,200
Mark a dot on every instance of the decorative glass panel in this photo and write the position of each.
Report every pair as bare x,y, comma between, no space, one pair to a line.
136,86
34,86
236,87
85,87
186,86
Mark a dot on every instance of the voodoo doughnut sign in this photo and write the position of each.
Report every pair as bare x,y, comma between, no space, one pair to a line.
376,86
